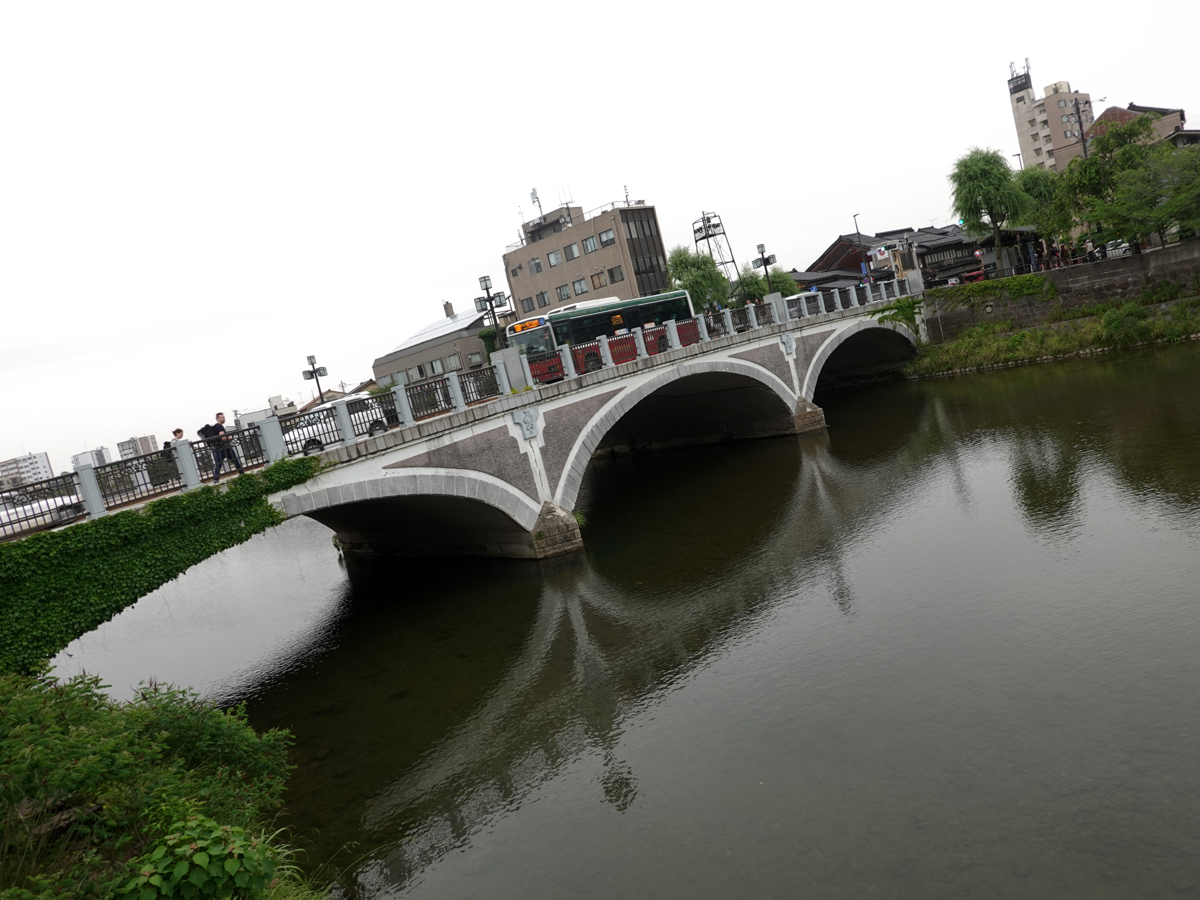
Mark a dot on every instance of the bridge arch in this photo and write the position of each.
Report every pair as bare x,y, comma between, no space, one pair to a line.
773,412
892,338
425,511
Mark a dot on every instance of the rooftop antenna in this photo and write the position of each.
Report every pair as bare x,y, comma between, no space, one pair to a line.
534,197
626,194
1012,70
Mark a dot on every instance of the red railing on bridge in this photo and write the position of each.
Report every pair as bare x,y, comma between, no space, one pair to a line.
689,332
545,367
656,340
623,348
587,357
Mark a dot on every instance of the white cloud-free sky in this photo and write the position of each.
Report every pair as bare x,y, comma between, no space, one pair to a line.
193,198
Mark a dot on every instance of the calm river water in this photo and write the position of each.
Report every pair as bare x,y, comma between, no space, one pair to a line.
950,650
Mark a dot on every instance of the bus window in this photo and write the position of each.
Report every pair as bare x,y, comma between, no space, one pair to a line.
536,340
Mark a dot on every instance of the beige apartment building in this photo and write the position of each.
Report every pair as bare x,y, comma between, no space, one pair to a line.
568,255
1050,130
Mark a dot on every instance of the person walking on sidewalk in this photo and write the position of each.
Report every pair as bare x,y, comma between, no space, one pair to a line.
222,449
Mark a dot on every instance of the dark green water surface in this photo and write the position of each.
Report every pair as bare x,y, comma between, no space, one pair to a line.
951,649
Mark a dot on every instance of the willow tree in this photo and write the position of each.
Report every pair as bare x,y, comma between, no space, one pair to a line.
986,194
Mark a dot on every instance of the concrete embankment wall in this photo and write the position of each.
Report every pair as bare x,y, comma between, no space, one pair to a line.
1079,285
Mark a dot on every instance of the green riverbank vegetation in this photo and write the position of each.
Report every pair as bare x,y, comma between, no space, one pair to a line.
1154,317
162,796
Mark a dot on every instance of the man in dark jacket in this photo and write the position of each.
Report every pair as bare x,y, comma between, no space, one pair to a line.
222,448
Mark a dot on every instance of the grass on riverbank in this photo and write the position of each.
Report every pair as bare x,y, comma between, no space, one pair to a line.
1101,326
166,795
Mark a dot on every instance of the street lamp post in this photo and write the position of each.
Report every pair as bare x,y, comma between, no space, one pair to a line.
1079,121
763,262
314,372
1020,162
862,264
491,302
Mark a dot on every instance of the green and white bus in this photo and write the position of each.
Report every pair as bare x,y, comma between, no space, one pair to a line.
578,327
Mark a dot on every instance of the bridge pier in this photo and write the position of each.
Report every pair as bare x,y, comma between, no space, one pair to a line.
809,417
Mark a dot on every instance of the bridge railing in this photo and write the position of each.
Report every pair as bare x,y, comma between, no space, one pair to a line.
716,324
545,367
127,481
246,443
623,348
479,385
689,332
656,340
586,357
27,508
429,398
741,319
373,415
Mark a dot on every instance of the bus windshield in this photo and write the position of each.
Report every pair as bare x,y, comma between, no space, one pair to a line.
534,340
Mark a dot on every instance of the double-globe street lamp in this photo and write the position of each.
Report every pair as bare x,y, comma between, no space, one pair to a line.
490,303
314,372
763,262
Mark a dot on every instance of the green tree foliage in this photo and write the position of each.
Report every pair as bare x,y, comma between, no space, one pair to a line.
754,286
1161,192
488,336
1047,209
986,193
697,274
1090,184
100,799
58,585
780,282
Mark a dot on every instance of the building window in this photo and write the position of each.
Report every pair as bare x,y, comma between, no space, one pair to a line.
453,363
535,266
1063,118
1045,123
615,274
474,359
1037,151
435,367
1062,103
527,304
607,238
1047,140
543,299
399,378
590,245
514,272
580,286
554,258
563,291
572,251
416,373
598,280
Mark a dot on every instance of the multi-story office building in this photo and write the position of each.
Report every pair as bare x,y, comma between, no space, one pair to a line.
568,255
25,470
137,446
1050,130
98,457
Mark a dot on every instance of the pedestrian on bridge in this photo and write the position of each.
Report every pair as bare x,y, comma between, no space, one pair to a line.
222,448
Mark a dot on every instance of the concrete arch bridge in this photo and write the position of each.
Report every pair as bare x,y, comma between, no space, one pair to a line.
502,478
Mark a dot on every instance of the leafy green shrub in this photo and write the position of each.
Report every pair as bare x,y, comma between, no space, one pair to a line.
87,784
979,293
204,859
1125,325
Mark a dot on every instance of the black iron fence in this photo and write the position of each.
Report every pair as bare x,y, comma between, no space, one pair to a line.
765,314
429,398
310,432
373,415
245,445
138,478
479,385
741,318
27,508
715,322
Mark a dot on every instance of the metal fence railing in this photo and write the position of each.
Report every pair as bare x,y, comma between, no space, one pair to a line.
623,348
138,478
765,313
656,340
429,398
587,357
27,508
545,367
246,444
373,415
689,332
741,318
716,324
479,385
310,432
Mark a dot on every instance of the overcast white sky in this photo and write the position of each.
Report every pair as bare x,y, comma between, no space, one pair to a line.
193,198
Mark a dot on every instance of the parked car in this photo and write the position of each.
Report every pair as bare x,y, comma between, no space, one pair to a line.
1116,248
19,513
314,430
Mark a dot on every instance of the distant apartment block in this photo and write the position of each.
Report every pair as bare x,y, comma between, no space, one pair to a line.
1166,122
98,457
568,255
25,470
137,446
1050,130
